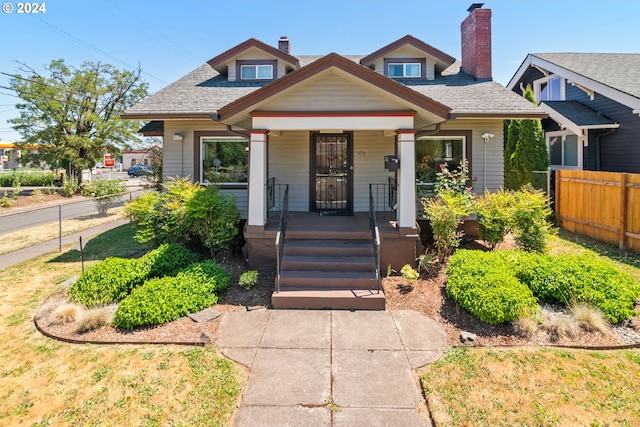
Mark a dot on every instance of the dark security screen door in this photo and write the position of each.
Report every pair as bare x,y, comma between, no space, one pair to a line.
331,175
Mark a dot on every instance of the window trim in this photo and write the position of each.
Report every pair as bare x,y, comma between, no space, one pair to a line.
256,63
537,87
458,136
580,139
404,61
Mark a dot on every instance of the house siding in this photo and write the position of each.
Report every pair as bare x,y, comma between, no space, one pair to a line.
494,177
325,91
620,151
369,149
289,164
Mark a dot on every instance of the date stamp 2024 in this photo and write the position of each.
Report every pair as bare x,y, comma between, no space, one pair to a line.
24,8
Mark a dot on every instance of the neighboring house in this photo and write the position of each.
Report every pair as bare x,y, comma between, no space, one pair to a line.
132,158
593,102
256,119
9,156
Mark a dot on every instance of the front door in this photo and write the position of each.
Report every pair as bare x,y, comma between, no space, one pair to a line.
331,174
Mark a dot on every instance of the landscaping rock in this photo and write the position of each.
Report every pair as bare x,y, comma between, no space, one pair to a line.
468,338
204,315
205,338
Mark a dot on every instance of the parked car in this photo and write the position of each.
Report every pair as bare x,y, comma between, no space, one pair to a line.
139,170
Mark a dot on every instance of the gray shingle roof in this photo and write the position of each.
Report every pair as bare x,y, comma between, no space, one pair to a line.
204,91
620,71
579,114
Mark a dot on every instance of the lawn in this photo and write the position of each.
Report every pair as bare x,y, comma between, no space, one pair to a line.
46,382
539,386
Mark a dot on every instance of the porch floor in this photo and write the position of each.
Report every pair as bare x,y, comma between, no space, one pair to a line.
309,222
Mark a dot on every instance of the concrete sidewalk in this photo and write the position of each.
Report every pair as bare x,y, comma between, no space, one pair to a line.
331,368
12,258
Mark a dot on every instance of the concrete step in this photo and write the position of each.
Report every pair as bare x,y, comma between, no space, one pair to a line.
298,279
329,299
328,263
316,247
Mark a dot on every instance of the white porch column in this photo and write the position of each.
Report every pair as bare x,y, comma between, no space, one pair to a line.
257,205
406,180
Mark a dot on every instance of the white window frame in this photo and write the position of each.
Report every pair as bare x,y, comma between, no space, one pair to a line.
257,68
404,70
580,139
537,87
221,138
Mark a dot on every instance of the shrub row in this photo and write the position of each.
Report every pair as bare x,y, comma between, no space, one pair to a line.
114,278
44,179
169,298
501,286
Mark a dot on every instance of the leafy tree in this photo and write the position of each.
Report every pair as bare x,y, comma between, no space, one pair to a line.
531,150
73,115
513,134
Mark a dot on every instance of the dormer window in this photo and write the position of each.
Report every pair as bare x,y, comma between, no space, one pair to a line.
404,68
256,70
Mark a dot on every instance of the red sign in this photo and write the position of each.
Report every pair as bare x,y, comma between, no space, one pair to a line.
109,161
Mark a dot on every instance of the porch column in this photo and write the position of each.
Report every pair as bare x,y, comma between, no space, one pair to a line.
406,180
257,205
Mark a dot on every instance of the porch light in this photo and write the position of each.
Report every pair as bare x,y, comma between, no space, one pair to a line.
178,137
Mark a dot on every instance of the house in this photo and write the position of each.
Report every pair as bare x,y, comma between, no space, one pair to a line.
593,102
321,152
145,157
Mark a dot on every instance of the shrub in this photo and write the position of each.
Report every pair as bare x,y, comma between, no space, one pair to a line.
581,278
169,298
409,273
495,215
69,185
446,212
526,326
589,318
499,297
114,278
105,192
65,313
35,179
530,226
248,279
213,218
93,319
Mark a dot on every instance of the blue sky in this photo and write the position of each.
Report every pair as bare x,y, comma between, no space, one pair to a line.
170,38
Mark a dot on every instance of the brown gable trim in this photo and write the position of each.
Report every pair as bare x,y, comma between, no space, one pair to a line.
344,64
236,50
410,40
332,113
168,116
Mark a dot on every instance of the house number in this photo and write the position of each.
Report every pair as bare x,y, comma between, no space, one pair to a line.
361,153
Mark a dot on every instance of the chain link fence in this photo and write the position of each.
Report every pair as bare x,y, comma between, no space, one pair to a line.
23,227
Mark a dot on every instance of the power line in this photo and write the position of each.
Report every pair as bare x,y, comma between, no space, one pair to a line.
90,46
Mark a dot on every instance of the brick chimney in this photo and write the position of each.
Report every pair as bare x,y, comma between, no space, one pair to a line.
476,42
284,45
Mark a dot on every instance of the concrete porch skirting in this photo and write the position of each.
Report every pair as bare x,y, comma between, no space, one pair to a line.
397,247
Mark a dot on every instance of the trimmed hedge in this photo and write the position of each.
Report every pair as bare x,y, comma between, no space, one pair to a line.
36,179
114,278
483,285
491,285
169,298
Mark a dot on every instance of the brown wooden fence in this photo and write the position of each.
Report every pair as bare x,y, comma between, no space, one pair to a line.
602,205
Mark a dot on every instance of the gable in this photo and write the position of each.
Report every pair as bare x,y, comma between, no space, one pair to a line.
333,84
252,50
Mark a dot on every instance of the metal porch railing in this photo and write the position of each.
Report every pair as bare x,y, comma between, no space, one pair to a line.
375,235
280,235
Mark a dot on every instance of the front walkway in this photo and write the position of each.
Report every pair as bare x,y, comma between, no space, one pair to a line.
331,368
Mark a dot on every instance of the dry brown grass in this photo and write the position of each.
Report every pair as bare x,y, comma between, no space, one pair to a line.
65,313
534,387
94,318
526,327
559,327
589,318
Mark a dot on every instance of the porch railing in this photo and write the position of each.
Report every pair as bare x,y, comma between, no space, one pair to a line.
280,235
375,235
385,197
275,194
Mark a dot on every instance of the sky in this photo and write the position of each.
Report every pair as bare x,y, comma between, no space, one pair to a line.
168,39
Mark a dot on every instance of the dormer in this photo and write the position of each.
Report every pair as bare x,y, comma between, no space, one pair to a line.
408,58
255,61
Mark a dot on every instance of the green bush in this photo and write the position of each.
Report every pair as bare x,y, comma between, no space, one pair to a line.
105,192
36,179
114,278
581,278
169,298
70,185
481,284
185,213
531,228
446,212
248,279
495,215
109,281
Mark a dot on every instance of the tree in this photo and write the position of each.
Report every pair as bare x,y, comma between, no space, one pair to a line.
531,150
73,115
513,134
